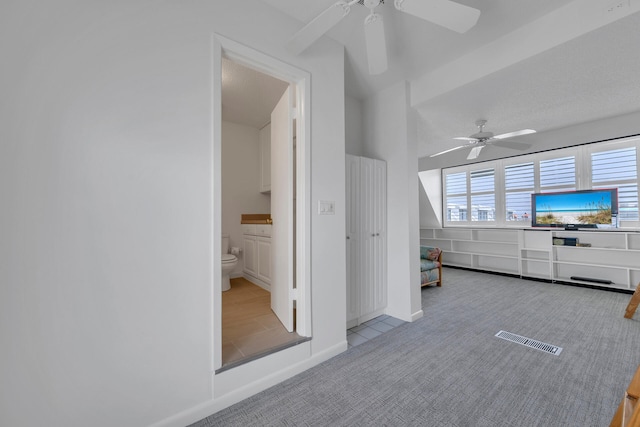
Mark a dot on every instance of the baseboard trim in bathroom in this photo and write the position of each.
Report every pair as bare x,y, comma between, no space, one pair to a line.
265,353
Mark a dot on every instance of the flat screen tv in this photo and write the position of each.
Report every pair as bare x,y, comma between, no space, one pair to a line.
575,209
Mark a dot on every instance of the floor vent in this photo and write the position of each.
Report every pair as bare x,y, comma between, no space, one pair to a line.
528,342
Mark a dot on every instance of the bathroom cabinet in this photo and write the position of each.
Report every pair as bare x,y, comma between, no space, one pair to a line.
366,239
256,240
265,159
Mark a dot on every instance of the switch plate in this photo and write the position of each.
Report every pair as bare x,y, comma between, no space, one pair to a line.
326,207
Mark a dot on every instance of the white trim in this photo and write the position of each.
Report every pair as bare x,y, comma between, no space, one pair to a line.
210,407
248,57
216,179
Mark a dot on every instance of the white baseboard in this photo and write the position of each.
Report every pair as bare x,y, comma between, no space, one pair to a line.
418,314
411,318
210,407
253,279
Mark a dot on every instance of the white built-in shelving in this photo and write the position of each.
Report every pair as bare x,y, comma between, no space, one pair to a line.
494,250
613,255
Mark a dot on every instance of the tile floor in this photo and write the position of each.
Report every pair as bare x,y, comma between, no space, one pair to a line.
371,329
251,330
249,327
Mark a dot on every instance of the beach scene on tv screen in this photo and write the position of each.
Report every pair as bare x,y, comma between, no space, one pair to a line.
574,208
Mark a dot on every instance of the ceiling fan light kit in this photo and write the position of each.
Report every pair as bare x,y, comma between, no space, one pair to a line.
481,139
446,13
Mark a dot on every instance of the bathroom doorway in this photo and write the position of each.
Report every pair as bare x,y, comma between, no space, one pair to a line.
254,319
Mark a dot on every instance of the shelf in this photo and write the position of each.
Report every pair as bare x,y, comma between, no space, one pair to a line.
443,244
488,248
564,271
502,256
604,257
452,234
633,241
535,254
613,255
500,264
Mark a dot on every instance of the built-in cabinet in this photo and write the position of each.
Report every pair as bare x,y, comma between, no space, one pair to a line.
607,258
366,229
256,240
265,159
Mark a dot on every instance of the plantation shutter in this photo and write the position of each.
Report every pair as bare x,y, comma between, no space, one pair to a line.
618,169
558,174
483,199
519,183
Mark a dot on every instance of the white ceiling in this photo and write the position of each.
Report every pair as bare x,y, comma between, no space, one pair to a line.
592,76
414,46
248,96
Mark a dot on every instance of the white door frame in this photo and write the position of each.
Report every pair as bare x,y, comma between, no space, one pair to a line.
301,80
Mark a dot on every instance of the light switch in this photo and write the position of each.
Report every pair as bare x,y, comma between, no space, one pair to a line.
326,207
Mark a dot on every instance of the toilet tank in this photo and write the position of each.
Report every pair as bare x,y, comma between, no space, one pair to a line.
225,243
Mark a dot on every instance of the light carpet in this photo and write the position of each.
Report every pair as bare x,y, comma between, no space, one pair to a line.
448,369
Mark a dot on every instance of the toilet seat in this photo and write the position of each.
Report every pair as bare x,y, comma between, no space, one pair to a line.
228,258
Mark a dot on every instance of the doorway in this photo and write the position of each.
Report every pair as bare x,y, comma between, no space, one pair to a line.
290,213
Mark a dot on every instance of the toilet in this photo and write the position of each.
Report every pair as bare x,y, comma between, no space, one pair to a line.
229,262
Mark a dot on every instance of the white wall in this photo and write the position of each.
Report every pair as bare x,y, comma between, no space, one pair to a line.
353,125
240,181
390,135
430,198
106,221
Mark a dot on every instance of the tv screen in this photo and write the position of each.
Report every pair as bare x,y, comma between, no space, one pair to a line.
575,209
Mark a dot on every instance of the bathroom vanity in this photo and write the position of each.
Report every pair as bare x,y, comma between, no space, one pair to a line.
256,240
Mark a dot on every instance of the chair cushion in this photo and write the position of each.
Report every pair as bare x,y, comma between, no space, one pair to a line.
429,252
426,264
429,276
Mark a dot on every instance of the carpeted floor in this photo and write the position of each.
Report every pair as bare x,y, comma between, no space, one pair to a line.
448,369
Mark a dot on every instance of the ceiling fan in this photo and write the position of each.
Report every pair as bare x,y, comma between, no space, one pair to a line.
481,139
446,13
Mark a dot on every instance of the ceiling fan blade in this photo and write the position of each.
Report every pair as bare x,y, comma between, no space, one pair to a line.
516,133
475,152
449,150
318,26
454,16
376,43
512,144
466,138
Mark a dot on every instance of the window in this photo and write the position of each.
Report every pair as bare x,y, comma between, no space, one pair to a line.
499,192
558,174
483,195
456,196
618,169
519,183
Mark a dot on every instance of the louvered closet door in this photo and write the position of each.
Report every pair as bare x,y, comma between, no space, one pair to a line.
368,261
353,238
379,227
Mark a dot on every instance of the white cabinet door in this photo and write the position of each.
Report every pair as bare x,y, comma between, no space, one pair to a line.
265,159
250,266
366,226
263,247
379,209
353,237
368,244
